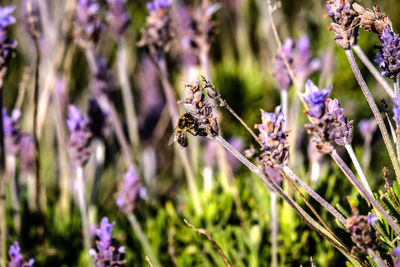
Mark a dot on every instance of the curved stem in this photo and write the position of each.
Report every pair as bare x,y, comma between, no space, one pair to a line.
356,164
364,59
314,195
370,198
375,111
142,238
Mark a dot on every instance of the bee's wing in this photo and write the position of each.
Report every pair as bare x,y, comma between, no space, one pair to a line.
173,137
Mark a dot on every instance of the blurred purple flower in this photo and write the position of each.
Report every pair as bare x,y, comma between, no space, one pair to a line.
80,136
273,139
367,128
27,159
316,98
131,192
343,132
12,135
157,33
107,254
7,46
16,258
102,82
396,110
156,5
372,218
87,23
237,143
117,17
274,174
281,74
396,252
388,57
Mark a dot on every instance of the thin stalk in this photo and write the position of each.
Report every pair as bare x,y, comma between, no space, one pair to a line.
40,187
375,111
3,182
173,111
314,195
142,238
302,214
274,231
396,87
359,170
285,105
364,59
129,102
364,192
81,192
376,258
13,193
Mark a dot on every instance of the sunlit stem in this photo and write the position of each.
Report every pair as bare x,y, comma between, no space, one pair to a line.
81,194
359,170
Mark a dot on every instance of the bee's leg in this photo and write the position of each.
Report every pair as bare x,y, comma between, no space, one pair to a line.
193,133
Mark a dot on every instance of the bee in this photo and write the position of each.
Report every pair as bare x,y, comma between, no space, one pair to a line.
186,123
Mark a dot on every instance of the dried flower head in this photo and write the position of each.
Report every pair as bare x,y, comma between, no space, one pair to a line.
345,22
373,21
117,17
157,33
87,23
80,137
7,46
343,132
12,134
107,253
362,233
274,139
131,192
200,109
16,258
388,57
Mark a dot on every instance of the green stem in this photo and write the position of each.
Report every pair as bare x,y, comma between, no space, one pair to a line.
359,170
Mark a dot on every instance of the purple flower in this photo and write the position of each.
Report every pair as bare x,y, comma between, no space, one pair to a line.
117,17
345,22
80,136
342,134
281,74
273,138
131,192
388,57
274,174
102,82
12,135
107,254
156,5
316,98
396,110
16,258
367,128
372,218
87,23
7,46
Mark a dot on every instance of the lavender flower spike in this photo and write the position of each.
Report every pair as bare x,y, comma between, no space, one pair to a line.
343,132
117,17
131,191
16,258
388,57
7,46
316,98
396,110
80,137
107,254
368,128
87,23
273,138
345,22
